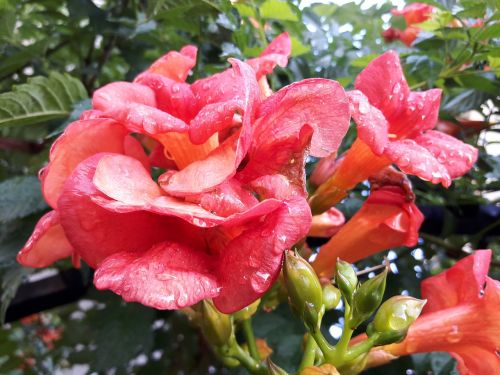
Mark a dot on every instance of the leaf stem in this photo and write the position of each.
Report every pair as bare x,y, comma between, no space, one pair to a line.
309,353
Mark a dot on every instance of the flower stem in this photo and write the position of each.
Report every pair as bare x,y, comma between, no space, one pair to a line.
247,361
343,344
309,353
361,348
250,338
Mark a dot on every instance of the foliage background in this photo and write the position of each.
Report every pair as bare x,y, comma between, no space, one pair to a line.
55,53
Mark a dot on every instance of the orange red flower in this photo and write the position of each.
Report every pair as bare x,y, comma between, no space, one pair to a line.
461,317
386,219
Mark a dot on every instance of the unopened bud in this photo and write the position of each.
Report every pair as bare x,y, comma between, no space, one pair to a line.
346,279
246,312
304,289
397,313
368,298
331,296
274,369
216,326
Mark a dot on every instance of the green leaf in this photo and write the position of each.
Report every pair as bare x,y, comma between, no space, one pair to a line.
299,48
489,32
19,197
41,99
10,283
278,10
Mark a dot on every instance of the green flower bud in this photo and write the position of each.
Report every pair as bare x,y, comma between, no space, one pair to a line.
397,313
331,296
304,290
216,326
246,312
274,369
368,298
346,279
387,337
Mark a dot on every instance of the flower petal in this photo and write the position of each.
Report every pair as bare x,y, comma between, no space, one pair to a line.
285,156
276,53
414,159
320,103
173,97
383,83
476,360
134,106
175,65
457,157
371,124
167,276
95,232
90,137
221,163
211,119
47,244
255,256
461,283
419,115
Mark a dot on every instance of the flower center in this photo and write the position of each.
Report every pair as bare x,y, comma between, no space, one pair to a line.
179,148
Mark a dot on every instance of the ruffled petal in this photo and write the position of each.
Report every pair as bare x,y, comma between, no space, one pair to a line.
80,140
275,186
221,163
414,159
213,118
286,156
419,115
131,189
461,283
47,244
327,224
456,156
383,83
320,103
254,257
95,232
175,65
134,106
172,97
276,53
474,360
167,276
371,124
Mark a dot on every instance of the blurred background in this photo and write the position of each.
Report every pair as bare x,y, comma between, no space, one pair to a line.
55,322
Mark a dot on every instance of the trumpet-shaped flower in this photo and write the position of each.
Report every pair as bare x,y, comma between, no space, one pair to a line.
217,221
386,219
394,127
461,317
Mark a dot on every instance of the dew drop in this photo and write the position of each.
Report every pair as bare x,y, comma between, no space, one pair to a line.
404,161
175,88
205,86
363,107
454,335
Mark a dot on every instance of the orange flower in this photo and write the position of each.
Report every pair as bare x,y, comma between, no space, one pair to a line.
386,219
462,317
327,224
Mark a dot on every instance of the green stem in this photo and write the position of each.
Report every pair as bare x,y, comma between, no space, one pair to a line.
361,348
247,361
250,338
343,344
309,353
325,347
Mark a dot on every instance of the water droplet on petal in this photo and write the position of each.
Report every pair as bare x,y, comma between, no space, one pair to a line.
175,88
454,335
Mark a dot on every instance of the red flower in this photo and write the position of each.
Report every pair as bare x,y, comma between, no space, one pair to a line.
461,317
391,34
394,127
386,219
200,232
414,13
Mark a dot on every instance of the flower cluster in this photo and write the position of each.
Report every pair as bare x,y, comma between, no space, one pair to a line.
231,194
413,14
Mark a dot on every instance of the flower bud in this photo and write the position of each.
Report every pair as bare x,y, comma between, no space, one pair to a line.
331,296
397,314
246,312
274,369
216,326
304,289
368,298
346,279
